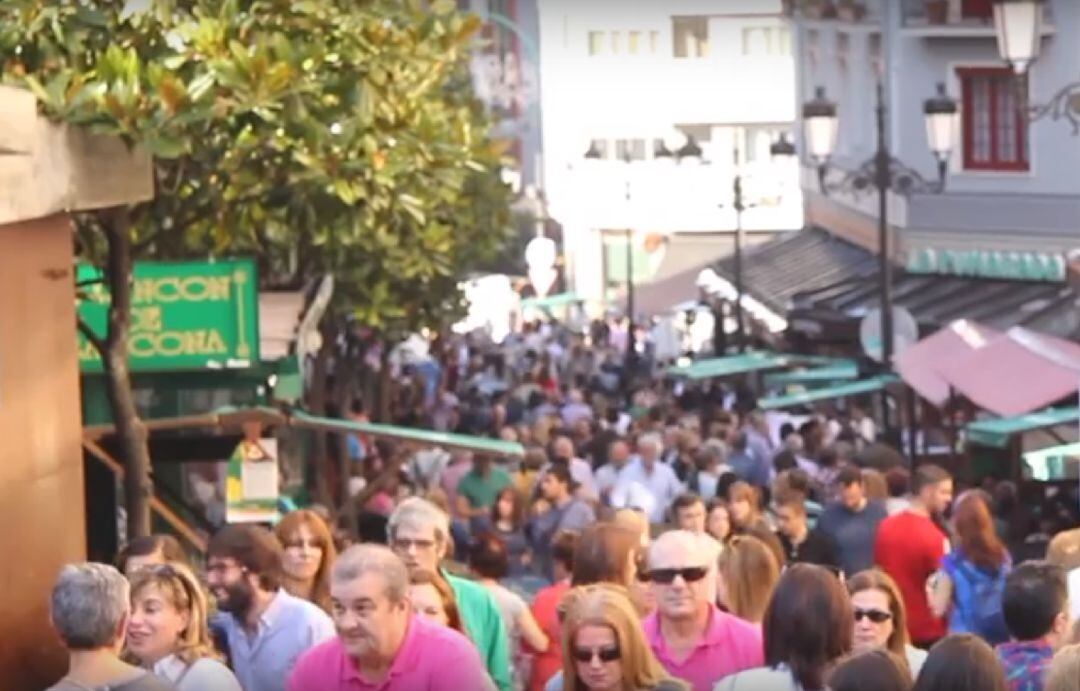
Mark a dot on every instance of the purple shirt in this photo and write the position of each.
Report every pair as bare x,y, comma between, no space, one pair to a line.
431,658
1025,663
729,645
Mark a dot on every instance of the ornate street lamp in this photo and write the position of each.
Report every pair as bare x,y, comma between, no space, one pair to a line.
882,171
1018,24
820,127
940,114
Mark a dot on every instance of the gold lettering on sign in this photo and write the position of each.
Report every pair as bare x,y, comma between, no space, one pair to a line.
176,289
177,343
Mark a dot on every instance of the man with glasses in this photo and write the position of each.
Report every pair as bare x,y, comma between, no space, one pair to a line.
267,629
419,534
689,635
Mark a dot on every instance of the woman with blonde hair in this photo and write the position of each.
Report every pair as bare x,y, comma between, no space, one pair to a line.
880,617
168,633
748,574
308,555
604,647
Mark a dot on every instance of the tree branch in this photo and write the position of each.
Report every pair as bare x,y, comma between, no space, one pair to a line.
88,333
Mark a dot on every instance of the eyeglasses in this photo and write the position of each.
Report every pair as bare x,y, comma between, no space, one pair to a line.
874,615
690,574
605,654
404,544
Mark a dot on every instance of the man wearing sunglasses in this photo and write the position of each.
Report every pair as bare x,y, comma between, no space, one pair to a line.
689,635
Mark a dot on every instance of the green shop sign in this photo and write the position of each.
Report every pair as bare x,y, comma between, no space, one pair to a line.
184,316
1016,266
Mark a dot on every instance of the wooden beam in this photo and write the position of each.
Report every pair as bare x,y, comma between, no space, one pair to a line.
175,522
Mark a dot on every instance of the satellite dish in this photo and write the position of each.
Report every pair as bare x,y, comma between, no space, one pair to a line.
905,332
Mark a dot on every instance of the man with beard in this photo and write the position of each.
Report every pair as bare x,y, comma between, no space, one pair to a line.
381,643
910,546
267,629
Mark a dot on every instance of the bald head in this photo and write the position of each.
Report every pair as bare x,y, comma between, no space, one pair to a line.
681,549
563,447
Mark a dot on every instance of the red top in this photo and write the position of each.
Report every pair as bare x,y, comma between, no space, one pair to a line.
909,547
545,610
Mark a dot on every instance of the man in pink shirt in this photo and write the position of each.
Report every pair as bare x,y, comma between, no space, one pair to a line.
690,636
381,645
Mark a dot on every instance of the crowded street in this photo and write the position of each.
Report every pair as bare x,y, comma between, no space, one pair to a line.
336,354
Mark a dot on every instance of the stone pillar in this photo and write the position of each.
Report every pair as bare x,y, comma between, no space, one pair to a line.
46,171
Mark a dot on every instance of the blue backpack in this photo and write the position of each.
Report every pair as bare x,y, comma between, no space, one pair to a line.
983,593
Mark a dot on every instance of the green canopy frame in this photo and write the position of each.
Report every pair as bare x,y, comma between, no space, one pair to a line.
996,432
234,417
839,391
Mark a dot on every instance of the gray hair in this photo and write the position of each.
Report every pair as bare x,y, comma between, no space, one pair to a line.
653,439
89,603
416,511
358,560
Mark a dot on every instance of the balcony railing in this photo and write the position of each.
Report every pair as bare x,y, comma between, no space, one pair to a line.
959,18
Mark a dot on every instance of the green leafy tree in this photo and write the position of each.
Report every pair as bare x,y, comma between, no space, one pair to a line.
323,135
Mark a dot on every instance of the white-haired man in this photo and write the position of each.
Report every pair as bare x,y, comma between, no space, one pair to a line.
90,608
380,643
692,639
647,484
419,534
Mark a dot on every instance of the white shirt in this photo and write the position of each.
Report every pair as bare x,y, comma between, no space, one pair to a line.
1074,593
203,674
607,476
661,485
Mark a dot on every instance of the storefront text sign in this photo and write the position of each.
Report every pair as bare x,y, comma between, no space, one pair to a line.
1016,266
184,316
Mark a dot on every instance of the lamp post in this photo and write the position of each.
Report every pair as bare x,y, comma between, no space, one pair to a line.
594,154
1018,26
882,171
691,151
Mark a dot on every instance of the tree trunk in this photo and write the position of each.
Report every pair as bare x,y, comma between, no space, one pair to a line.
317,406
130,430
344,385
386,382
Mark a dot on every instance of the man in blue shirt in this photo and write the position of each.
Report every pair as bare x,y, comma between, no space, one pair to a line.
266,628
852,523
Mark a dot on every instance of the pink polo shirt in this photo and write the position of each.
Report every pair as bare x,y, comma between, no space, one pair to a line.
730,645
431,658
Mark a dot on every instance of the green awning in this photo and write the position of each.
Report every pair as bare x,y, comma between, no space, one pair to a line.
836,371
408,434
995,432
551,301
729,365
827,393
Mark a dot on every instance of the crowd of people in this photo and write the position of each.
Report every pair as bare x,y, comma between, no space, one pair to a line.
680,541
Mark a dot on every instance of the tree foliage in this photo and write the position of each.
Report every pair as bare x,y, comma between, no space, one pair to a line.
327,135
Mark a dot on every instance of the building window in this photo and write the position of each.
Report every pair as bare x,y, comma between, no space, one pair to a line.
766,40
995,131
633,43
616,42
654,42
691,36
977,9
596,43
601,146
634,149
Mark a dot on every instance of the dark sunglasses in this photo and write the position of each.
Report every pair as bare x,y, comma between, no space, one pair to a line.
691,574
874,615
605,654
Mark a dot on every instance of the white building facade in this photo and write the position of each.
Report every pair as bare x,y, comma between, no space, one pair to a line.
622,81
